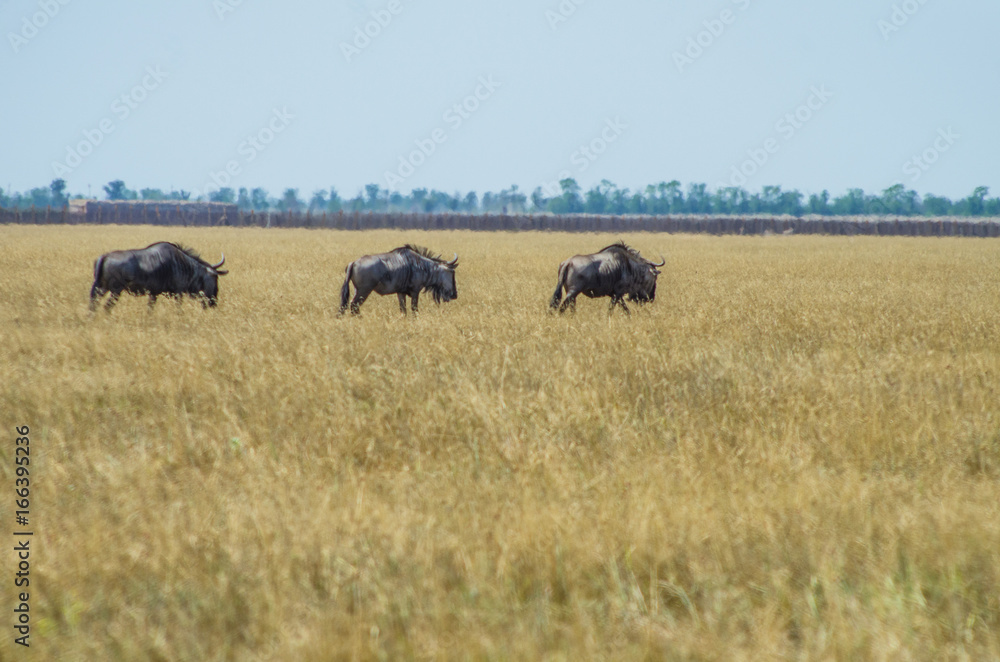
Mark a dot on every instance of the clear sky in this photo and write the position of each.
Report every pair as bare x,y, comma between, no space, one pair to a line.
463,96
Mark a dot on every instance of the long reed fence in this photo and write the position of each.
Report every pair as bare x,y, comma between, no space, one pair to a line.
230,215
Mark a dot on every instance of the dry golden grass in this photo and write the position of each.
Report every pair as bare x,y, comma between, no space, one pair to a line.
793,454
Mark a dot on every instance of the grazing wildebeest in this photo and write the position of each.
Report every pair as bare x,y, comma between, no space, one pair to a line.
405,271
160,268
615,271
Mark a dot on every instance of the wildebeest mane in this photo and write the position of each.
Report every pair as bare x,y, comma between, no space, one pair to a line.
187,250
421,251
622,246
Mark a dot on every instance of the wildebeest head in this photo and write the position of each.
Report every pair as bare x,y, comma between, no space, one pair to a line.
444,287
207,281
646,290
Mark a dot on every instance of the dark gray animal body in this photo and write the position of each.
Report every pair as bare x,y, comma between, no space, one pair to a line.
161,268
615,271
405,271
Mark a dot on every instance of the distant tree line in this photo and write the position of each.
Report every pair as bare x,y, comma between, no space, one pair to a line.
604,198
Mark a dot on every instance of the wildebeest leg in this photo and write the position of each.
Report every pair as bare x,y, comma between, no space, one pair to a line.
359,299
570,301
112,301
621,302
402,302
414,298
152,302
95,294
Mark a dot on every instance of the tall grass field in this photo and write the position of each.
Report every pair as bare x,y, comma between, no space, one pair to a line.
792,454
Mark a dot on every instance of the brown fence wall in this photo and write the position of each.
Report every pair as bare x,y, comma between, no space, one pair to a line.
746,225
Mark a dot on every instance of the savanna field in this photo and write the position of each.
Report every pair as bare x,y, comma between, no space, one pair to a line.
794,453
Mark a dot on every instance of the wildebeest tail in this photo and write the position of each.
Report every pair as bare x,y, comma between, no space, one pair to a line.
557,295
98,269
345,291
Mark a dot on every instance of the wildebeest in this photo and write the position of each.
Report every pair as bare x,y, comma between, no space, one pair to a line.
160,268
615,271
404,271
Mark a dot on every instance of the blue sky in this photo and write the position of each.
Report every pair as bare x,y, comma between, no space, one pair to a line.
463,96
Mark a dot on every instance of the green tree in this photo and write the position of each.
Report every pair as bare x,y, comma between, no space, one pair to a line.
637,204
418,196
672,192
115,190
991,207
397,201
852,203
730,200
937,205
40,197
570,196
357,203
259,199
290,201
318,200
659,197
243,199
333,201
57,189
539,202
441,201
771,199
595,201
372,196
225,194
470,203
976,202
698,200
618,200
512,200
899,201
820,204
790,203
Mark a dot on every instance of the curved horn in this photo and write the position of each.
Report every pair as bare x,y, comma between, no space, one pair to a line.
454,261
216,266
662,262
